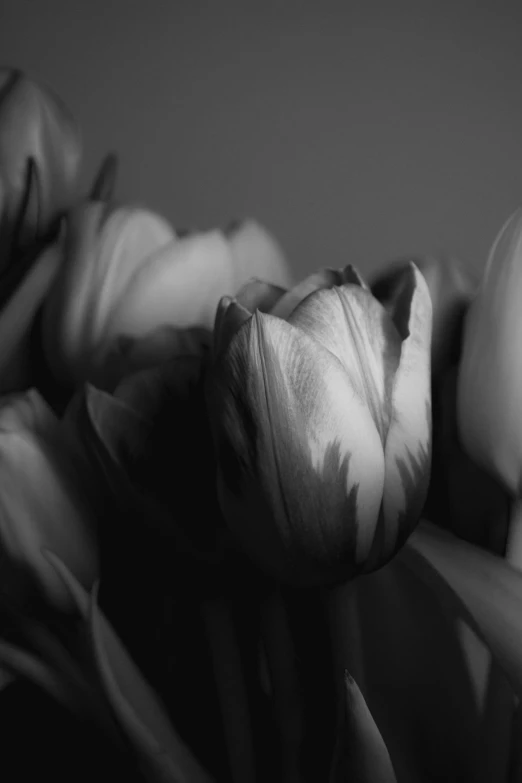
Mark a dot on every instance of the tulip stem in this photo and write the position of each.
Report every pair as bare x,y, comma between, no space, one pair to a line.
230,685
287,697
347,641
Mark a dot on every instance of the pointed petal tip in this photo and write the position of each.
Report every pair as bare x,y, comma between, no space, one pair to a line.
348,679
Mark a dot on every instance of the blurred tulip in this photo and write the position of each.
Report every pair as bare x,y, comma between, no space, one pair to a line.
42,502
489,394
40,153
322,423
131,294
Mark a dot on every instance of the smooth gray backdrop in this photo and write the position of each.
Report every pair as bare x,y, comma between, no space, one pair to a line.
356,131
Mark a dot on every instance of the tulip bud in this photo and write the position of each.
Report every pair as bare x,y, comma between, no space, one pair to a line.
42,505
130,294
40,152
489,393
322,424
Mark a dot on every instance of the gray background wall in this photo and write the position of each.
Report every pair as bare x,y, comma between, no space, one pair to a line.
356,131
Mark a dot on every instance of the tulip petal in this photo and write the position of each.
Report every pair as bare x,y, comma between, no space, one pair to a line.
259,295
256,253
134,703
299,448
40,505
451,290
181,284
350,323
102,252
360,754
485,587
408,443
324,278
110,416
230,316
128,355
128,236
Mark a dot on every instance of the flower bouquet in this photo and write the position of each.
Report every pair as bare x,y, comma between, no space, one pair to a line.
250,529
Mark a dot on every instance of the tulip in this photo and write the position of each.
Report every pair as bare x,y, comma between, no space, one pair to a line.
43,503
489,395
40,152
321,419
131,294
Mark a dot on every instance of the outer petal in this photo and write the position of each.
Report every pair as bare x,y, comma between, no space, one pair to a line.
350,323
259,295
408,445
230,316
233,312
103,249
181,285
128,355
130,239
39,506
324,278
451,291
256,253
301,464
489,408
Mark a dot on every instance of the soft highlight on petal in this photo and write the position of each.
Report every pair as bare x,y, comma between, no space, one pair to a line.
350,323
182,284
408,444
256,253
295,445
